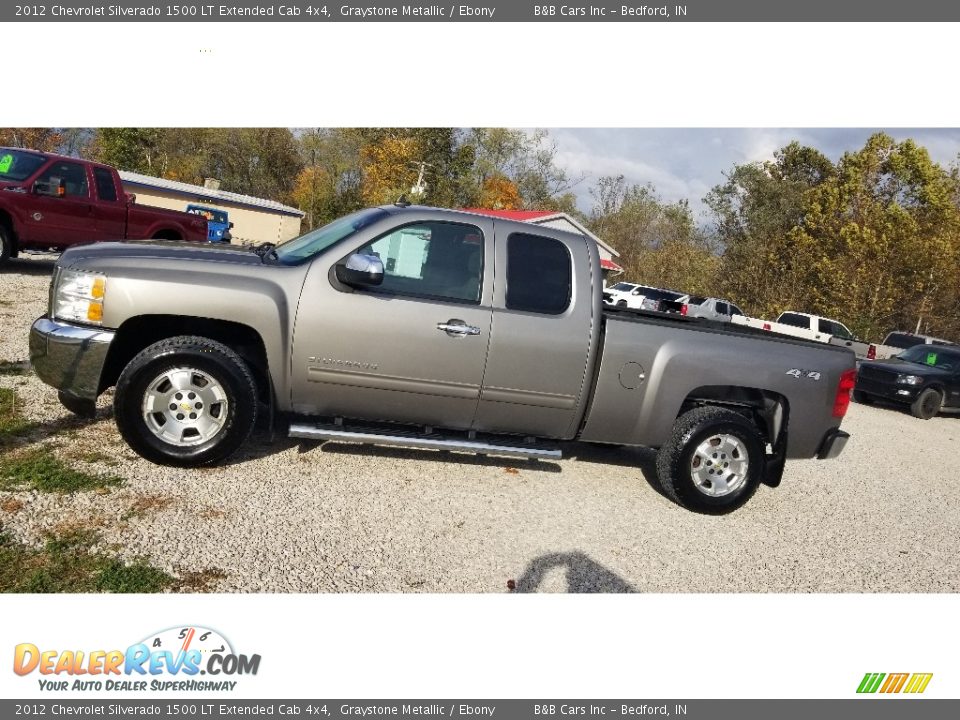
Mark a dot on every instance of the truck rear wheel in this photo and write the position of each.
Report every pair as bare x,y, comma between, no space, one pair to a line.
712,462
186,401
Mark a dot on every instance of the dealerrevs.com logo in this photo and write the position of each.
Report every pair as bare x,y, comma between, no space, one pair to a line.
176,659
909,683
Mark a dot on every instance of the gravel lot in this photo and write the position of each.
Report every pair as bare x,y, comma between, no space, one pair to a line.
304,517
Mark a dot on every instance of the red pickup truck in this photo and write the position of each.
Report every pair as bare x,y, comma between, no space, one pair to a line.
50,202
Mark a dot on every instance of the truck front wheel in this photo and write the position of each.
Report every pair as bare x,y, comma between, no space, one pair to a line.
186,401
712,462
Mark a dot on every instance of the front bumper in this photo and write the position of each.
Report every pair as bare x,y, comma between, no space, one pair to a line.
69,357
832,444
888,390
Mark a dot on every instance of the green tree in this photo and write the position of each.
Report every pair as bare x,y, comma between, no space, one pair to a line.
133,149
659,242
882,241
754,212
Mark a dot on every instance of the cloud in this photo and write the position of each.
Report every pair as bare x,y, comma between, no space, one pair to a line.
683,164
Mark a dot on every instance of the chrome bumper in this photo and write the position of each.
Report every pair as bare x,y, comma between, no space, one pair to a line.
69,357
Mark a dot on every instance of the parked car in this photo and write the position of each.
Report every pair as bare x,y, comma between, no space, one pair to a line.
897,341
710,308
387,327
641,297
925,377
811,327
50,202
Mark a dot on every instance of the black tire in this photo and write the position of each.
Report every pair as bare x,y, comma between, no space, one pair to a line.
927,404
675,458
214,361
80,408
861,397
621,303
6,244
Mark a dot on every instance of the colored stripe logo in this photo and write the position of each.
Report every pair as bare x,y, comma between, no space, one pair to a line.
913,683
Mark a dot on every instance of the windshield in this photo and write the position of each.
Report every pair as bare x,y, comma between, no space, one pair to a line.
623,287
18,166
939,357
316,241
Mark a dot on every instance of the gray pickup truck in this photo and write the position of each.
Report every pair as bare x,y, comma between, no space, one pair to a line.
428,328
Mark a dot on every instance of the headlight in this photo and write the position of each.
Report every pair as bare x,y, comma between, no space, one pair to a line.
79,297
909,380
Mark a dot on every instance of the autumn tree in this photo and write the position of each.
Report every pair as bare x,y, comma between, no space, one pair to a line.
659,242
43,139
880,241
754,212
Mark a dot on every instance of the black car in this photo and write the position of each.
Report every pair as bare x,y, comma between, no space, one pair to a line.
925,377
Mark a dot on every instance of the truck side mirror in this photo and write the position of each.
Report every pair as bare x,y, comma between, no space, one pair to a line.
360,271
52,188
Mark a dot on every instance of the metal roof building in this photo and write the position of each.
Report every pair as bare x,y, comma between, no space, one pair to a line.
254,219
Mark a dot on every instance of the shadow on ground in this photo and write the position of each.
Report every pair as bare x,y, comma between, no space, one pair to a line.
29,265
583,575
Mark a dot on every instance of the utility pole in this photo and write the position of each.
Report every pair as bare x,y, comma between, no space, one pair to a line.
419,188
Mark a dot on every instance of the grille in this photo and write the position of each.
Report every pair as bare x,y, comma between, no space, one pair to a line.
868,372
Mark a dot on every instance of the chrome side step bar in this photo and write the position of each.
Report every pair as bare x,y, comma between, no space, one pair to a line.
419,442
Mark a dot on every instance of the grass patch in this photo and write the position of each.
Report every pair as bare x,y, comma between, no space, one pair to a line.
200,580
148,503
13,368
12,423
65,564
39,469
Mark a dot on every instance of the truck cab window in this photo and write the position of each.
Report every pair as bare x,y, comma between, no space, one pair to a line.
106,190
794,320
73,175
539,274
434,259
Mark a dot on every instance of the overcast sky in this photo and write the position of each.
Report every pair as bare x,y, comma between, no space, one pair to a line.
685,164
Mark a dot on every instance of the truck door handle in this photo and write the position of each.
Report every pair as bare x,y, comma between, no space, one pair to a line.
458,328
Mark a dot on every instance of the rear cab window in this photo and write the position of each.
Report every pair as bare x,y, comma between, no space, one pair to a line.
902,341
106,189
795,320
539,274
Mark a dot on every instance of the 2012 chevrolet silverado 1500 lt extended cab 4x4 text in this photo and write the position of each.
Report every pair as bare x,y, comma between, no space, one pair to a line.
429,328
50,202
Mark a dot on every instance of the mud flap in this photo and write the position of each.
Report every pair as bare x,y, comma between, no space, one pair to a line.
775,462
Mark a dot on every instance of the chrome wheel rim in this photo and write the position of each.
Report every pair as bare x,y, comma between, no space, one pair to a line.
719,465
185,406
931,404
